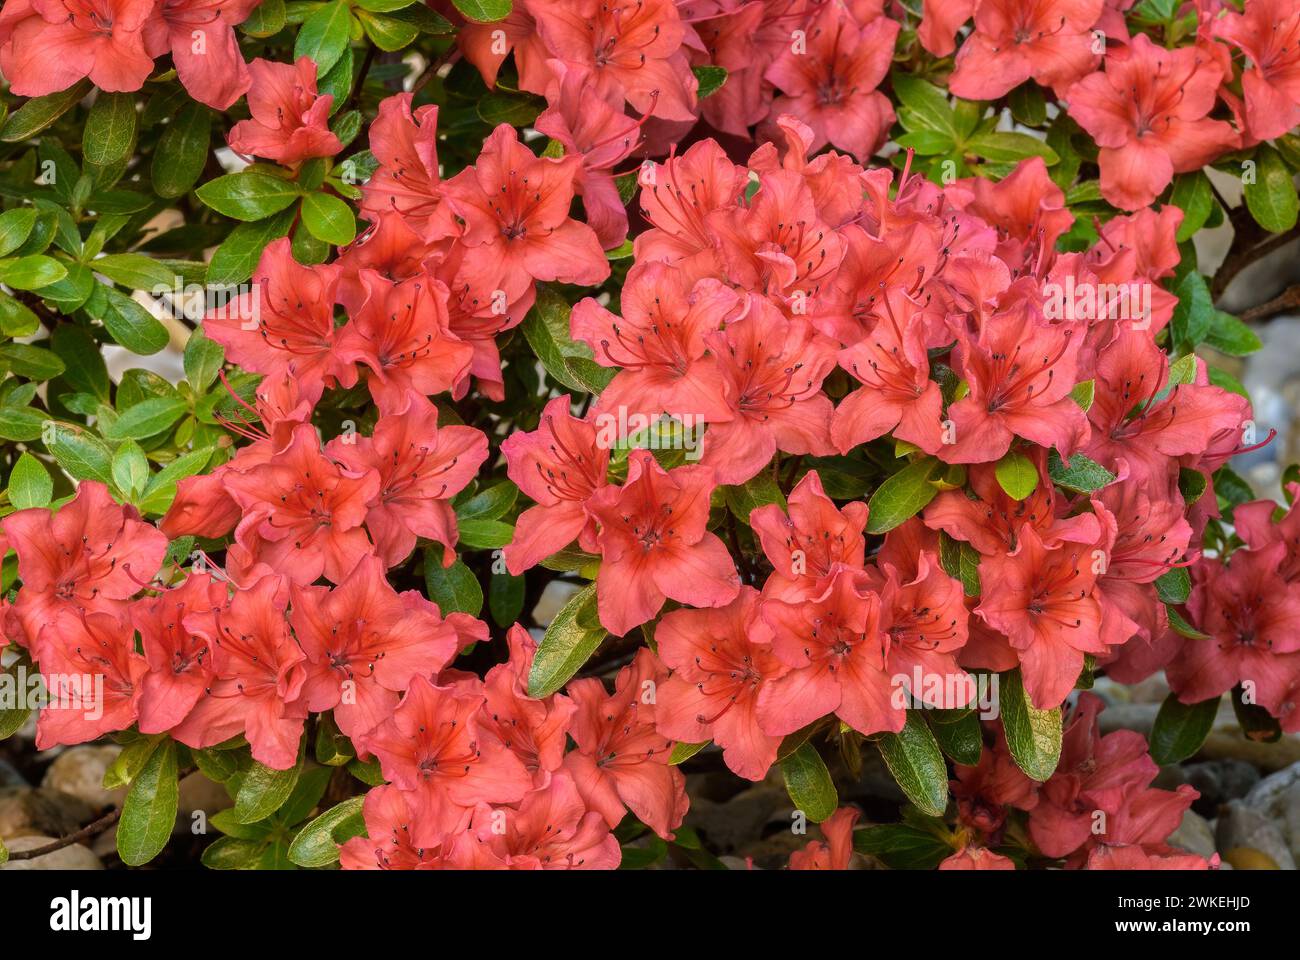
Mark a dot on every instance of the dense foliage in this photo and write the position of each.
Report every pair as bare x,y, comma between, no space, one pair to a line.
828,368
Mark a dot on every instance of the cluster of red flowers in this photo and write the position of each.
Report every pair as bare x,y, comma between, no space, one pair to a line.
798,306
1098,811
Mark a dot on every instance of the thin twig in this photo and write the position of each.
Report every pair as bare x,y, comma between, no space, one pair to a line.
85,833
1287,299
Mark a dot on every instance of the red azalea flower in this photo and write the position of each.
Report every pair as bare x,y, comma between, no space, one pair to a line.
534,730
837,652
897,393
620,760
92,554
807,547
200,36
303,511
1020,374
1268,33
48,45
593,126
290,120
364,642
1014,40
772,370
718,672
552,829
93,677
1252,618
436,746
407,181
257,676
1148,113
1042,599
401,333
285,325
560,465
836,851
660,343
418,467
517,226
655,544
831,83
634,45
1136,416
180,661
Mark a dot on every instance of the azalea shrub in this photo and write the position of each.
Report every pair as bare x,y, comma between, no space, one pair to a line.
548,401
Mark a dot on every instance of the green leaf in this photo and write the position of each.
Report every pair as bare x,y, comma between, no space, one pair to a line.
711,80
546,328
902,496
484,11
1256,722
485,534
1193,195
1027,104
250,195
15,227
516,109
130,469
203,359
927,143
1033,735
264,791
126,766
916,763
489,504
960,737
34,363
324,35
1194,314
32,272
684,751
329,218
743,499
109,134
1080,475
149,812
568,643
926,102
454,589
1174,586
809,783
1084,393
30,484
1229,335
1272,198
127,322
314,846
267,19
234,261
1010,147
21,423
387,33
901,846
136,271
1180,729
38,113
146,419
182,151
81,453
231,853
505,598
1017,475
